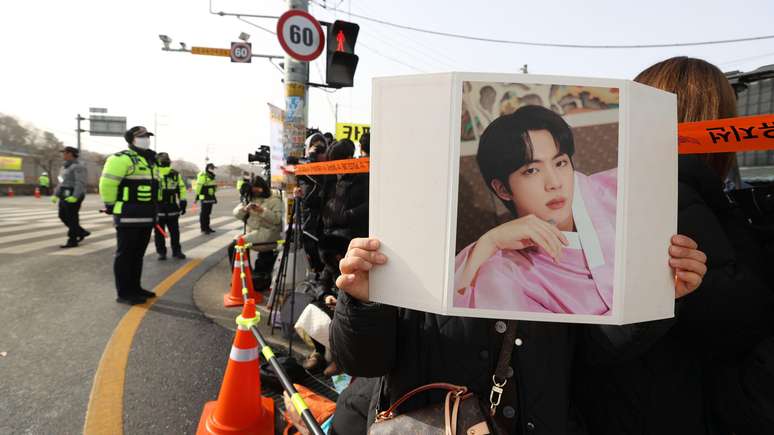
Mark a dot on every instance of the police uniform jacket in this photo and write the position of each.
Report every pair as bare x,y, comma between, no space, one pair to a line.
128,185
206,187
171,191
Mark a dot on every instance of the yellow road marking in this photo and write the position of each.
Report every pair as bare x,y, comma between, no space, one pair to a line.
105,412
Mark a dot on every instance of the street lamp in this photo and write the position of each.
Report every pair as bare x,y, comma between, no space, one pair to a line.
166,40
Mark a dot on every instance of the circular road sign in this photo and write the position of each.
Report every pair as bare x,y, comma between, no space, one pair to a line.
241,52
300,35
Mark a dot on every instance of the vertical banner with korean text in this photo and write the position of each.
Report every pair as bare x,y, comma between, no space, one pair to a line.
276,123
294,129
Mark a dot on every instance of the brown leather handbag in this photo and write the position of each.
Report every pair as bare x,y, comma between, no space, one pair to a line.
460,410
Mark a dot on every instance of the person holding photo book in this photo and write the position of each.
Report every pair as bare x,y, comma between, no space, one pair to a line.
557,254
409,348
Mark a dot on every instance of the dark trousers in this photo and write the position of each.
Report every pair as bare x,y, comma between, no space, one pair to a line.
127,266
264,262
312,254
173,229
204,216
68,214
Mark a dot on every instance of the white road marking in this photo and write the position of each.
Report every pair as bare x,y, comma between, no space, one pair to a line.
111,243
214,245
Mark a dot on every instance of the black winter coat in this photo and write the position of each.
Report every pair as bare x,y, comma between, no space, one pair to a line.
410,348
665,389
312,198
345,212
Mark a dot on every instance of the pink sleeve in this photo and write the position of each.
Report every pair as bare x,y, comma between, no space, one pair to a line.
466,298
500,284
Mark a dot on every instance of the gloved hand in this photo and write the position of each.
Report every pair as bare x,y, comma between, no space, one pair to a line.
54,199
183,205
71,199
109,208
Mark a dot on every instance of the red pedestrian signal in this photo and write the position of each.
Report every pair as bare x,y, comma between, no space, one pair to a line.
340,38
342,60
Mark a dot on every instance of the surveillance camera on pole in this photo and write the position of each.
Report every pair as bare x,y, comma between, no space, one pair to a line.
166,40
244,36
182,45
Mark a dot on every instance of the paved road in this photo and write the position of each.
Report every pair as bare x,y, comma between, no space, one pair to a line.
58,314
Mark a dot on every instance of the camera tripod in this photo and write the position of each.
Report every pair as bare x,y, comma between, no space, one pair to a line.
279,292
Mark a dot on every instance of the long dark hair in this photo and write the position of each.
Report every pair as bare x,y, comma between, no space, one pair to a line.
264,185
505,145
703,93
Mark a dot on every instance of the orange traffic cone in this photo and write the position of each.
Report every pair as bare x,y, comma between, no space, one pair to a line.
234,297
10,192
37,192
240,409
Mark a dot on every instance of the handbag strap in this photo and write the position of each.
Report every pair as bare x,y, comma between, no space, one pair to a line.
503,366
451,420
453,389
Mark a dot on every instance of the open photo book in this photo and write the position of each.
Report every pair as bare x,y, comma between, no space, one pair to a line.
516,196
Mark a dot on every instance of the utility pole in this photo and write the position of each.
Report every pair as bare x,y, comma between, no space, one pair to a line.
296,104
78,129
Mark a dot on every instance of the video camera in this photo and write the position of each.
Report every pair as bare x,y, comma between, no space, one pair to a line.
263,155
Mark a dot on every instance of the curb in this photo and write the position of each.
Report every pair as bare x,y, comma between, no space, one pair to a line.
208,293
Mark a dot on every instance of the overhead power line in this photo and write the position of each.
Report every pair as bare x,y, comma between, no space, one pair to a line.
239,17
546,44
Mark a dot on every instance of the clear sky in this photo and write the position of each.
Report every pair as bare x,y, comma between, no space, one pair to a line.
61,57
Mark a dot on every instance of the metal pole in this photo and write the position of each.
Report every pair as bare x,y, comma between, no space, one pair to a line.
78,120
296,104
306,414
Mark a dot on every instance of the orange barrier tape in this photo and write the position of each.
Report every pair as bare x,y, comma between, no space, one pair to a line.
747,133
350,166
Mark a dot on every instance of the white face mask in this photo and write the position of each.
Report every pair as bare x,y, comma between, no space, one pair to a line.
142,143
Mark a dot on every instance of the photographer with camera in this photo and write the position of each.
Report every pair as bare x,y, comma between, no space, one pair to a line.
262,216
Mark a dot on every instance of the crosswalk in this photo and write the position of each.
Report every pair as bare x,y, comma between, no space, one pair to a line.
38,230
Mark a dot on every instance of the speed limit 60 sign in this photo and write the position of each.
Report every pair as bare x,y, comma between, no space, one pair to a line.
241,52
300,35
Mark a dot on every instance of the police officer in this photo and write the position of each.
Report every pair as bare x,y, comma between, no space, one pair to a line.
70,193
245,178
172,204
44,183
205,192
129,189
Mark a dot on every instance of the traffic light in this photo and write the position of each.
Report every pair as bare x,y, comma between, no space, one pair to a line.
342,60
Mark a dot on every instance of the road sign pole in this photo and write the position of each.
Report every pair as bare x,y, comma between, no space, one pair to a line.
296,104
78,129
